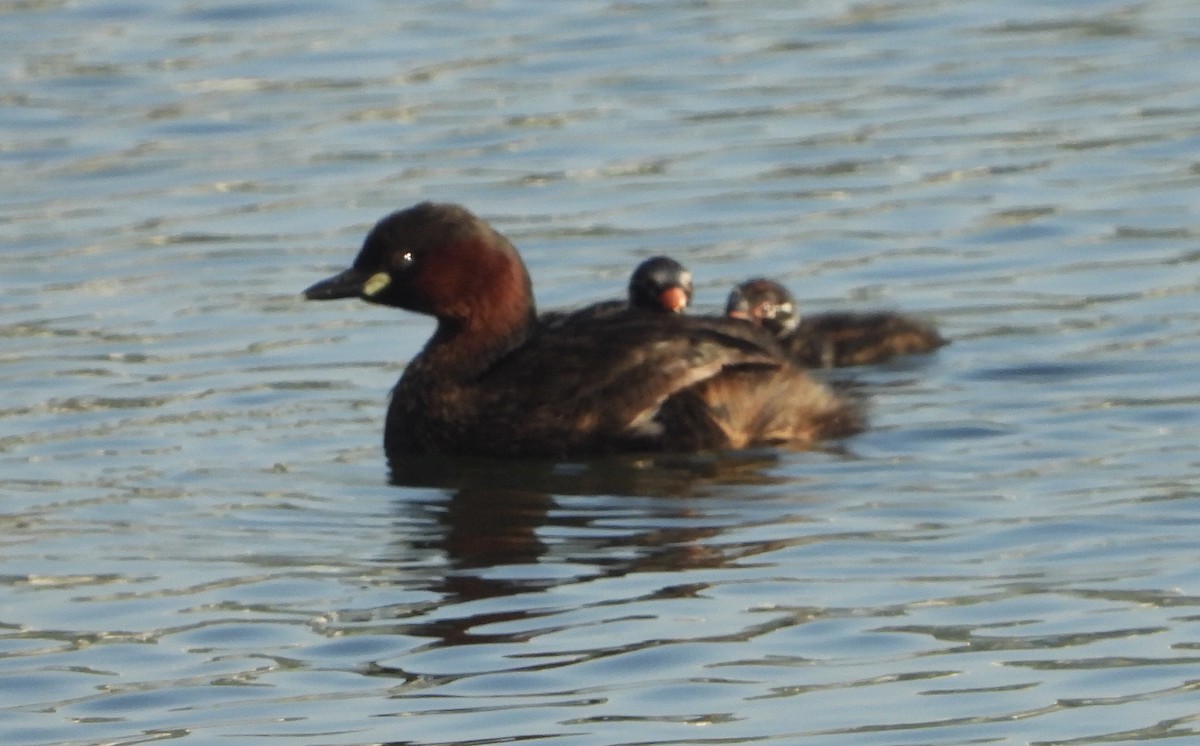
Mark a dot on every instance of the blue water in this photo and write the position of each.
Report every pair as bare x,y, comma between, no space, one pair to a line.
200,542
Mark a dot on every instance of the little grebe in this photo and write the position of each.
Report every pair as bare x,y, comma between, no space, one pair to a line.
492,380
832,339
659,284
662,284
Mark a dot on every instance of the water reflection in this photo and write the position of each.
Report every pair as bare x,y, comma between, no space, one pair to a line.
489,512
195,551
483,514
506,529
657,475
484,527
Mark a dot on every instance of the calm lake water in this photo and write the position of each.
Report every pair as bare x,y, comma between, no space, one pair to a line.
200,539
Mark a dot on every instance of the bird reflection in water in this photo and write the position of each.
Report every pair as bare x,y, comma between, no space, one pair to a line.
555,525
491,512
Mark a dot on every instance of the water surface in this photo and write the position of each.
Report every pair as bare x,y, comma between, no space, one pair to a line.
201,542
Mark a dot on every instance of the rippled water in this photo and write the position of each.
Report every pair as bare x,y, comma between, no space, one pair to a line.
200,542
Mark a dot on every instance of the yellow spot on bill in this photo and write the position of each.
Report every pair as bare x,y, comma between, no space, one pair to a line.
376,283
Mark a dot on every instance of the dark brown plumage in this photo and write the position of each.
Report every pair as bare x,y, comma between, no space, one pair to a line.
832,339
493,380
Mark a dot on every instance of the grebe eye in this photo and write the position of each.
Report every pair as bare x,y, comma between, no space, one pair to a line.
404,261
